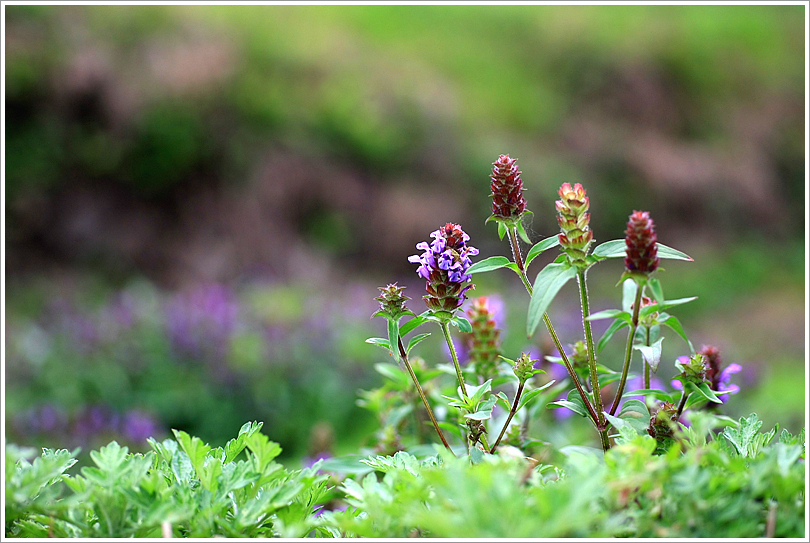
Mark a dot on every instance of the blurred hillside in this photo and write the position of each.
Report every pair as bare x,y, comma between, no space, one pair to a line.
304,147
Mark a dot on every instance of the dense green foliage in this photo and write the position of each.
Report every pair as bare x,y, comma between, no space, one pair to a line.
736,483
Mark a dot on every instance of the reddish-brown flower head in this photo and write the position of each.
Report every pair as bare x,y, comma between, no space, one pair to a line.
507,190
483,342
640,238
573,217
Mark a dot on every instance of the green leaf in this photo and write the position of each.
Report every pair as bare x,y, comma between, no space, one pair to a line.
522,232
744,437
578,408
380,342
674,254
629,288
393,337
540,247
235,446
415,341
462,323
504,400
708,393
656,393
617,248
412,324
610,249
501,230
194,448
675,324
627,431
476,454
611,313
484,410
665,304
651,354
614,327
546,286
656,290
454,429
532,394
488,264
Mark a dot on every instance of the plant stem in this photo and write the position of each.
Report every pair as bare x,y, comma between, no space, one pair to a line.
483,440
682,403
511,414
628,354
646,365
404,356
550,327
446,331
586,324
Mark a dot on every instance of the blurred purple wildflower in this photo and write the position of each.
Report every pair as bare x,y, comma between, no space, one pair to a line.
719,379
200,321
137,426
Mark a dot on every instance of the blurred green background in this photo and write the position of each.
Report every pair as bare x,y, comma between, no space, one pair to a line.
201,200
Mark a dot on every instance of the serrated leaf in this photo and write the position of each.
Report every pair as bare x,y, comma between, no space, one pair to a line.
540,247
744,437
651,353
194,448
546,286
488,264
415,340
614,327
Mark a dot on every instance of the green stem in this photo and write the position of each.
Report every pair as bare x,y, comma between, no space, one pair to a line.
628,354
446,331
483,440
551,331
682,404
586,324
511,414
646,365
404,356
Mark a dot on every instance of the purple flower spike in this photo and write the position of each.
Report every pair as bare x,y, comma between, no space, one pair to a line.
444,264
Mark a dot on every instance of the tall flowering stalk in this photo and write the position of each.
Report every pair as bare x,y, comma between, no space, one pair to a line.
444,264
392,308
640,261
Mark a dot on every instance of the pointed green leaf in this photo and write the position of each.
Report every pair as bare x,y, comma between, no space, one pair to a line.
393,336
614,327
416,340
380,342
656,290
412,324
651,354
501,230
532,394
675,324
627,430
610,249
665,304
504,400
546,286
656,393
541,246
578,408
669,252
629,288
488,264
611,313
522,232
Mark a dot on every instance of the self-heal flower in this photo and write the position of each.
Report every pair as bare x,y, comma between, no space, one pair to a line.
508,204
640,239
524,367
573,217
693,369
483,343
444,264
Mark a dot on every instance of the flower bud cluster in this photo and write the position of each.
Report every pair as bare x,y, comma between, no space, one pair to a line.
524,366
573,217
640,239
693,370
392,303
508,204
662,423
484,341
719,378
444,264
